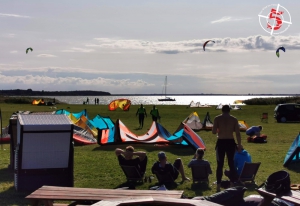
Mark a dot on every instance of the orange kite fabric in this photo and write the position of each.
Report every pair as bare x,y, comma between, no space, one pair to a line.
124,104
38,102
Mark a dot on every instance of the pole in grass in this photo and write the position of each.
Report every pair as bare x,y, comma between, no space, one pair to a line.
1,129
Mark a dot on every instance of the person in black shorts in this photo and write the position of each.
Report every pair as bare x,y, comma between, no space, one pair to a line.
163,167
127,158
224,126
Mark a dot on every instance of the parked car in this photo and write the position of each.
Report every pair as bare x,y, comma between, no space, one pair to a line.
287,112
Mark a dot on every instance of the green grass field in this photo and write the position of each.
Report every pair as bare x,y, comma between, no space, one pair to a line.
97,166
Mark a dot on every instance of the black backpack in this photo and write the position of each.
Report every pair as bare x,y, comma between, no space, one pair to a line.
279,183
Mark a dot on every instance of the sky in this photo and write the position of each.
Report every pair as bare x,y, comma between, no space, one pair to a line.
129,46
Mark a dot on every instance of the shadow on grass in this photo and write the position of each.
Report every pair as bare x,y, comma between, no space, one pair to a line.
198,188
6,175
129,185
12,197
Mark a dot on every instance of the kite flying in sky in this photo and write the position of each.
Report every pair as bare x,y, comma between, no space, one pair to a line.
206,43
280,48
28,49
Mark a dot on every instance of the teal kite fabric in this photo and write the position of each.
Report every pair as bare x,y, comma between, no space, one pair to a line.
293,154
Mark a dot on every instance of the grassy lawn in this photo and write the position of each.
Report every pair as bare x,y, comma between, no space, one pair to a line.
97,166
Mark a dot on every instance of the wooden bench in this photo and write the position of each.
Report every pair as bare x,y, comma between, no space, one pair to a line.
156,201
48,194
292,196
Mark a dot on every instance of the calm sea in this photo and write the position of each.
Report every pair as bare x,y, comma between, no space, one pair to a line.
150,100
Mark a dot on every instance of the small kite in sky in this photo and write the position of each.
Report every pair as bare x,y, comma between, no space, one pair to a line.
206,43
280,48
28,49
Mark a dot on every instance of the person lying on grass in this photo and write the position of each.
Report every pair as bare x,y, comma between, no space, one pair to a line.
127,158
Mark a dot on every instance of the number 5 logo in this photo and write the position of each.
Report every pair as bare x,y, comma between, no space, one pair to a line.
273,15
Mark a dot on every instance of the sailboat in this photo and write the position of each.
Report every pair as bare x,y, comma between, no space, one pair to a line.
166,98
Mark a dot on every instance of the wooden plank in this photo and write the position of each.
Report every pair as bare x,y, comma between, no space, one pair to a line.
155,201
95,196
70,193
292,196
103,191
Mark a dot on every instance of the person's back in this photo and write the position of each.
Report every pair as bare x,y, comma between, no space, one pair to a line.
199,161
239,160
226,125
254,130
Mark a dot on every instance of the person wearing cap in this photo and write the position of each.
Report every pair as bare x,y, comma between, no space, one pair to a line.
198,160
126,157
163,167
224,126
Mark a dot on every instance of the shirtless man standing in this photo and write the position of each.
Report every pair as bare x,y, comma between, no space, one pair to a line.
225,125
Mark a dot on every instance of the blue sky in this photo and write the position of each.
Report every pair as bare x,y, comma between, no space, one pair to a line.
128,47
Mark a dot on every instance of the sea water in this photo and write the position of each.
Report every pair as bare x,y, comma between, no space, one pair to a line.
153,100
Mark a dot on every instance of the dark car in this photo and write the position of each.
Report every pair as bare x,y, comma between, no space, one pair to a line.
287,112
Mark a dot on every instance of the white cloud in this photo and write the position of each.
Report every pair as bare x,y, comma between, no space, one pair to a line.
14,15
83,50
46,80
228,18
223,19
13,52
251,43
46,55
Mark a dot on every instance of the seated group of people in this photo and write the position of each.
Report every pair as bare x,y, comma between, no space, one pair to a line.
163,167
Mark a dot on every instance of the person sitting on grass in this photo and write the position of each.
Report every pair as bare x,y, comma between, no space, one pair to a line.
254,131
198,160
126,158
163,167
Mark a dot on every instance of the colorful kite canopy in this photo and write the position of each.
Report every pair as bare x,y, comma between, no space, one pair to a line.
124,104
156,134
280,48
206,43
29,49
38,102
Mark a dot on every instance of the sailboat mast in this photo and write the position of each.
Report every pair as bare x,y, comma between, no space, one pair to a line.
166,86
